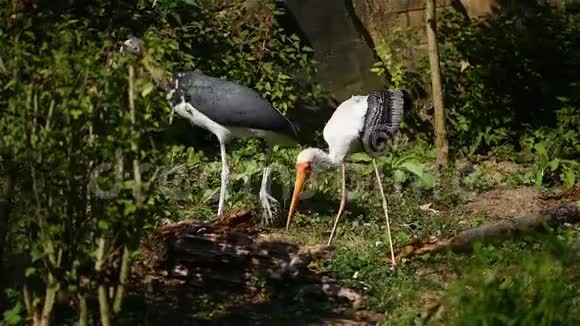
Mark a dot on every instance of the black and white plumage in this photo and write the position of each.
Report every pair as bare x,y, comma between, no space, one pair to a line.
228,110
227,103
361,123
385,112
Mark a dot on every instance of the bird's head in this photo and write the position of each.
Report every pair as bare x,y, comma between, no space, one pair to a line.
308,160
133,46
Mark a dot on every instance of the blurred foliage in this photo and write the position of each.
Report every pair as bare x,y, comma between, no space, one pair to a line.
538,290
65,115
67,127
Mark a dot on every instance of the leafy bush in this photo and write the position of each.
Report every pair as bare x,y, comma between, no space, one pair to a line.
499,81
400,61
246,44
405,164
503,94
537,290
66,116
80,126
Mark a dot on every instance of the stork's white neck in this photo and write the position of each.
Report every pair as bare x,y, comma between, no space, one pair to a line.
319,158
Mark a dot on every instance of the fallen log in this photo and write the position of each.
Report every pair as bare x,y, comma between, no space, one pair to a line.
547,218
226,257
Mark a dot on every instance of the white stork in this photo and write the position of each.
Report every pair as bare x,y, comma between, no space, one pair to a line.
359,123
228,110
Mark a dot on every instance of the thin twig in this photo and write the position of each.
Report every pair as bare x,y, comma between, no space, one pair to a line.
52,287
35,105
102,290
134,145
117,305
50,110
83,311
2,66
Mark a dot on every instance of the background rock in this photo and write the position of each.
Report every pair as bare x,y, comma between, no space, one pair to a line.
344,55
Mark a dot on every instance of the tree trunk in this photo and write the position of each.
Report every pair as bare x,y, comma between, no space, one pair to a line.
439,115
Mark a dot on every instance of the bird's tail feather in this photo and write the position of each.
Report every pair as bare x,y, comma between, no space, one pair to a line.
399,104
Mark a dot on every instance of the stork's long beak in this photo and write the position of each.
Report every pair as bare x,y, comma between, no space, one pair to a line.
302,173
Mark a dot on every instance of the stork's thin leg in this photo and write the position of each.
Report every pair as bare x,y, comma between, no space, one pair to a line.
386,209
269,203
342,203
225,179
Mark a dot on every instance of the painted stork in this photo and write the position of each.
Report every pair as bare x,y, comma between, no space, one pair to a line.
228,110
361,123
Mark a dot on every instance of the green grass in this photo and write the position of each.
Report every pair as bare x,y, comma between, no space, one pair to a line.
519,282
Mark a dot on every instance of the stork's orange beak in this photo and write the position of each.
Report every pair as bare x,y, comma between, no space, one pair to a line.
302,172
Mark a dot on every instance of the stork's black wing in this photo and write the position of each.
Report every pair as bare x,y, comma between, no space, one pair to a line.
228,103
386,108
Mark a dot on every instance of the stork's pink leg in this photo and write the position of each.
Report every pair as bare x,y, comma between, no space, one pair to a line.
342,203
386,209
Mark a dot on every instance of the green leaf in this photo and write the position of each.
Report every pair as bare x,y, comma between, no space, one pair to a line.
14,315
103,225
360,157
29,271
147,89
130,208
192,2
418,169
9,84
553,164
76,114
568,177
399,176
539,177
